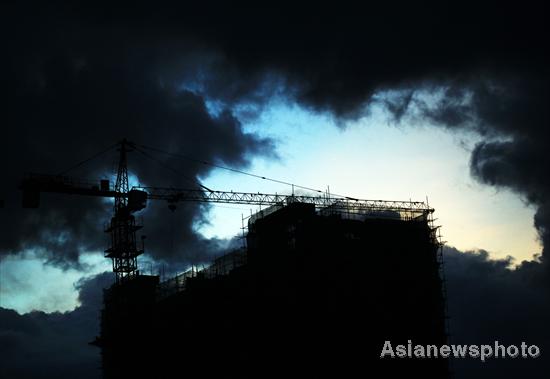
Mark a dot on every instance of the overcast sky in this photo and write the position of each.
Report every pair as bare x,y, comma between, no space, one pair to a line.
438,102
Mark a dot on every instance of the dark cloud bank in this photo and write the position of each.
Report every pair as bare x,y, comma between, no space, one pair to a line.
76,78
54,345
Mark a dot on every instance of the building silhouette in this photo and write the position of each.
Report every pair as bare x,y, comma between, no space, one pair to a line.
315,293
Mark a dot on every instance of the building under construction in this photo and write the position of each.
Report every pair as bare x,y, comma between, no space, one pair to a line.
315,292
321,283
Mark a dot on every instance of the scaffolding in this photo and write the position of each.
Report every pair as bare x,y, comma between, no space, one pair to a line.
345,209
220,266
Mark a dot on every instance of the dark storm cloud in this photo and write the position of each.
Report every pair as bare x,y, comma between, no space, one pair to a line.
512,114
70,90
54,345
329,58
521,162
489,301
334,59
522,165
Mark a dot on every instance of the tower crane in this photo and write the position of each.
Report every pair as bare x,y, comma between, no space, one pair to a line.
124,249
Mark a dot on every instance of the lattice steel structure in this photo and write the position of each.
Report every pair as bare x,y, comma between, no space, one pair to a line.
405,209
123,227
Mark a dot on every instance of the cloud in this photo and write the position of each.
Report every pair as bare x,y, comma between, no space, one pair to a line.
489,301
511,113
54,345
68,95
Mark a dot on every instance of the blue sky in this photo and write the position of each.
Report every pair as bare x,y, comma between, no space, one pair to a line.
376,159
371,158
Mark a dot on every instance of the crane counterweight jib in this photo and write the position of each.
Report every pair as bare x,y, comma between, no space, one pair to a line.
33,184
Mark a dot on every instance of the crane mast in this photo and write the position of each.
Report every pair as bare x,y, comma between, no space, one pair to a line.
123,227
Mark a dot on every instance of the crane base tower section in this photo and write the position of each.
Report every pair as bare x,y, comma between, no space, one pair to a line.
315,294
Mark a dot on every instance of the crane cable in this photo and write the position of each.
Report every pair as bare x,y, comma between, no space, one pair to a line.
135,146
161,163
239,171
88,159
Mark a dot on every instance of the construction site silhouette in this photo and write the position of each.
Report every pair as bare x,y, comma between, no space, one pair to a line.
319,285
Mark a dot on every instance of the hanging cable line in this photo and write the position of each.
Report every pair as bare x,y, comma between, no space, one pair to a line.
239,171
89,159
138,147
161,163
